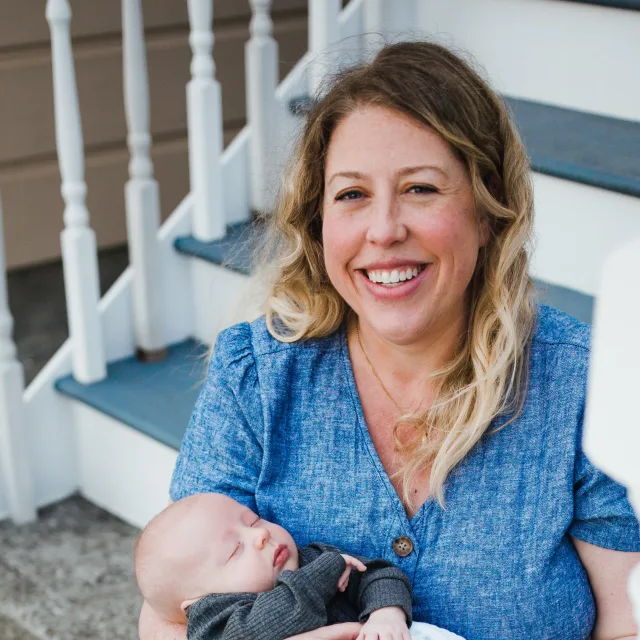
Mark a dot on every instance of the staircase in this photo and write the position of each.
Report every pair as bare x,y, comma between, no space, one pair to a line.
100,420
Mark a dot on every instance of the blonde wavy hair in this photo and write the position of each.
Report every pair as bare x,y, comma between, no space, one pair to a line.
487,377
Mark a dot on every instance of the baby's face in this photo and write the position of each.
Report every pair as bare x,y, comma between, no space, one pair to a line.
241,552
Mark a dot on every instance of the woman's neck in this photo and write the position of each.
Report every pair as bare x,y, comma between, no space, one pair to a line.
411,364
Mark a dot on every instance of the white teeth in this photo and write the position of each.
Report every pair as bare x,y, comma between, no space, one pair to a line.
393,277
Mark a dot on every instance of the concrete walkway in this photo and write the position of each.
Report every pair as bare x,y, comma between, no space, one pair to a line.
69,575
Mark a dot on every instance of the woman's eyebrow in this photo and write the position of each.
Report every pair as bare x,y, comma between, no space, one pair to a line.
407,171
347,174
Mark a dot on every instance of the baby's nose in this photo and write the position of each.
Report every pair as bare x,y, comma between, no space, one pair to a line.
262,535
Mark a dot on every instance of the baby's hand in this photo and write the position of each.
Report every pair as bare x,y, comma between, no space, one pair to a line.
351,562
388,623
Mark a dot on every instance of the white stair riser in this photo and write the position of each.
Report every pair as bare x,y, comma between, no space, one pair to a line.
577,227
120,469
573,55
225,297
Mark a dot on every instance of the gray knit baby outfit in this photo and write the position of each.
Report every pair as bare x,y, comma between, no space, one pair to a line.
301,600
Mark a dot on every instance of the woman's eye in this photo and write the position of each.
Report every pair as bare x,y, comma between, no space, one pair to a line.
422,188
352,194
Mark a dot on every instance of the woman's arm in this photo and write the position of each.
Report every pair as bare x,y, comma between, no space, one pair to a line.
153,627
608,573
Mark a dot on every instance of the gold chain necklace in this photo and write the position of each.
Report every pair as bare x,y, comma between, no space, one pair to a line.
375,373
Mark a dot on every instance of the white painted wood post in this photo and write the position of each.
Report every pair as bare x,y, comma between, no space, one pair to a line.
324,31
15,462
374,27
612,429
142,196
261,77
79,251
204,115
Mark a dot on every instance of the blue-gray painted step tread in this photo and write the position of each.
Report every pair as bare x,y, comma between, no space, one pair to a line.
596,150
633,5
234,251
155,398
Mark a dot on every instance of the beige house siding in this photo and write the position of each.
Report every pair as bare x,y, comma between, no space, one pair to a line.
29,175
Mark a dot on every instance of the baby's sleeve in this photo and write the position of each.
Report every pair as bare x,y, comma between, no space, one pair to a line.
603,515
221,450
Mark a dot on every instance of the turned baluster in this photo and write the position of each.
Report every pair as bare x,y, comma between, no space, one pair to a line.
15,462
79,251
261,74
142,196
324,31
204,115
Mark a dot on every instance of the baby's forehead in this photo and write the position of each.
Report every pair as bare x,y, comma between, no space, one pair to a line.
219,513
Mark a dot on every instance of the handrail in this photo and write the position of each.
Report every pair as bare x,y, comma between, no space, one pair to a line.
15,462
142,194
79,251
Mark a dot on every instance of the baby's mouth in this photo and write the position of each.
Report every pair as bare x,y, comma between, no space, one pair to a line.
281,555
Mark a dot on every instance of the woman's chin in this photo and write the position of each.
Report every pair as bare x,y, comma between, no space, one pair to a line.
398,331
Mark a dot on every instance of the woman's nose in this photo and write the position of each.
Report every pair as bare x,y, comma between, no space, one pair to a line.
386,225
260,536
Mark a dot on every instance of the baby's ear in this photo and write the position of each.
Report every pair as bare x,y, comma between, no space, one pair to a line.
187,603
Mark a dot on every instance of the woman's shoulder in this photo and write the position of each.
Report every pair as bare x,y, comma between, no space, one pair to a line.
253,341
556,330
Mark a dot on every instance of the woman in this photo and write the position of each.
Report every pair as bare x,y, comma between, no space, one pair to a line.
404,397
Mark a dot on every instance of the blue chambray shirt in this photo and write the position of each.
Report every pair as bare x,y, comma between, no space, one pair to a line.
279,427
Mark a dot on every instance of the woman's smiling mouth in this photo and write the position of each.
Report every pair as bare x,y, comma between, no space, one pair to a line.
394,277
394,283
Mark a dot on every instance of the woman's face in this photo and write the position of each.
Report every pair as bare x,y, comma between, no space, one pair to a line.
400,232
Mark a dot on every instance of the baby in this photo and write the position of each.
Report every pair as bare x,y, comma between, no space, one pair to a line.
234,575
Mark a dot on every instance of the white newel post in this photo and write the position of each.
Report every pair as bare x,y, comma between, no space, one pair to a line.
204,114
261,76
15,463
79,251
142,196
612,429
324,31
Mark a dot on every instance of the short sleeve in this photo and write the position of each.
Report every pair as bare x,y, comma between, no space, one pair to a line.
221,450
603,515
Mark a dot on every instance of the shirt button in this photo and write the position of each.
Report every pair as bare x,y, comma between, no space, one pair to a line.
402,546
